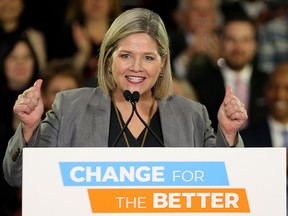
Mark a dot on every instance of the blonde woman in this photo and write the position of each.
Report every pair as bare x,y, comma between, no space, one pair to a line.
134,56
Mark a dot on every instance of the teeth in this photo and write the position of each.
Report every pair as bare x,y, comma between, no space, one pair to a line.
135,79
281,104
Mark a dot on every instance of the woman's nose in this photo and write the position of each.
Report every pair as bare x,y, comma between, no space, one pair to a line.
137,65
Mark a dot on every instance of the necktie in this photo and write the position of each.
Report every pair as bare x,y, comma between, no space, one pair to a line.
285,138
241,90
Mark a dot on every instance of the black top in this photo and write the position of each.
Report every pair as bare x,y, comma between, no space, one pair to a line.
150,140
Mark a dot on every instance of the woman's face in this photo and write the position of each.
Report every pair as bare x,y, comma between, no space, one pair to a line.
19,66
10,9
136,64
96,9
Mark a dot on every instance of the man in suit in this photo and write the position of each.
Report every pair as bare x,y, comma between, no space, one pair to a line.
272,130
234,69
268,131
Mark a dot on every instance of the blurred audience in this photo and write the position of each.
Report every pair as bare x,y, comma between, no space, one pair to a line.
59,75
272,130
18,71
197,42
273,40
268,131
256,10
87,22
236,69
183,88
204,60
13,24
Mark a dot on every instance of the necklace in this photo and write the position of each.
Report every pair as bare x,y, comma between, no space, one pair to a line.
121,126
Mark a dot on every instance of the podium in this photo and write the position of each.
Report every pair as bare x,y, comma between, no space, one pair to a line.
154,181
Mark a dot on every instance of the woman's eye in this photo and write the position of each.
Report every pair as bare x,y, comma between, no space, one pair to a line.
150,58
124,56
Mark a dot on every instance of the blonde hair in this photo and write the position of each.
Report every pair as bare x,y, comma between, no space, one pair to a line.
136,20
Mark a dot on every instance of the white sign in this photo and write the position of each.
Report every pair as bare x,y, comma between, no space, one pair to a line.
154,181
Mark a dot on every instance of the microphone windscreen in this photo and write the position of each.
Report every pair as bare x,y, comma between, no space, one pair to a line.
127,95
136,96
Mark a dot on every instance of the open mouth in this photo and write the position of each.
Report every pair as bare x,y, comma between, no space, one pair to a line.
281,105
135,79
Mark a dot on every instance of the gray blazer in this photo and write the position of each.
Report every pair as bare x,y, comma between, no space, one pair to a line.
81,118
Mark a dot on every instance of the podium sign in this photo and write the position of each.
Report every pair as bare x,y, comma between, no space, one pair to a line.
154,181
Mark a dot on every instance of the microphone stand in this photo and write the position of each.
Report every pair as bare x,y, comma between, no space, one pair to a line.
127,95
134,99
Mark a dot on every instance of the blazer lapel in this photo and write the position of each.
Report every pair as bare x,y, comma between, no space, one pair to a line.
101,119
170,128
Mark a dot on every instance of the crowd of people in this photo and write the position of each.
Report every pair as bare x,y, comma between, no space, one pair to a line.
213,44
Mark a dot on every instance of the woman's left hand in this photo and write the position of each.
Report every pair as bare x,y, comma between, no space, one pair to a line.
232,116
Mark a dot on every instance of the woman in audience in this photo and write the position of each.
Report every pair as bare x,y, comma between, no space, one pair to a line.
18,70
87,22
12,24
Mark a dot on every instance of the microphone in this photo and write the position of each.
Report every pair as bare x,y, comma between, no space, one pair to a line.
128,97
134,99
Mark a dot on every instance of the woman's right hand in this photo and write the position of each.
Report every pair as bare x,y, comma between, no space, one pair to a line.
29,108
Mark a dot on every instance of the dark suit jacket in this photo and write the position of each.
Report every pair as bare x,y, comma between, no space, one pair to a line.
257,134
210,89
178,44
81,118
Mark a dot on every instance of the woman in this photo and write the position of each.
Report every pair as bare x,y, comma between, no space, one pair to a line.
87,22
134,56
18,71
13,24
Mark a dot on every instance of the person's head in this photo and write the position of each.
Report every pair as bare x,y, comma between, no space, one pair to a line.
81,10
202,16
59,75
10,10
19,66
276,93
135,55
238,42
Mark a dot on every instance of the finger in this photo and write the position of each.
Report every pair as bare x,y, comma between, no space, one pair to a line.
233,101
228,95
34,100
34,92
234,106
241,117
230,99
38,84
235,109
22,108
31,102
24,94
28,93
228,90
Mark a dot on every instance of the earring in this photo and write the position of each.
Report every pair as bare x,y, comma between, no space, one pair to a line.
161,75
